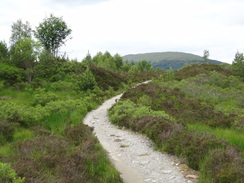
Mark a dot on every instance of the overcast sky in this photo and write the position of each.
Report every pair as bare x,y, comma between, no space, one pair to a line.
138,26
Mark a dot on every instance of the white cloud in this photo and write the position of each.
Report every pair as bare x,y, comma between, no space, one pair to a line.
132,26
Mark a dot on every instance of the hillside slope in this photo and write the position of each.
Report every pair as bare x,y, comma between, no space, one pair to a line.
165,60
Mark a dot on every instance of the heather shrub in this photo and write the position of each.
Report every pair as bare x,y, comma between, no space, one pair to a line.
223,166
48,158
106,78
6,132
192,145
175,103
77,134
196,69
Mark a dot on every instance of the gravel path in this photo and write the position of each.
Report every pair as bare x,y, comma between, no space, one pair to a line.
133,154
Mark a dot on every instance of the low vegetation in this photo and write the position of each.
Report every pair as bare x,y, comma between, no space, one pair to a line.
43,100
195,113
198,117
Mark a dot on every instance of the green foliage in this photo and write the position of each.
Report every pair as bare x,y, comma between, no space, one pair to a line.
64,86
20,30
10,75
143,65
24,55
126,67
219,80
86,81
129,110
170,75
118,61
21,113
4,53
52,33
238,64
106,61
232,136
49,68
22,134
42,97
7,174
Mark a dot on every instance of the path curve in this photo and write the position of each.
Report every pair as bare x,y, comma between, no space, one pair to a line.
132,154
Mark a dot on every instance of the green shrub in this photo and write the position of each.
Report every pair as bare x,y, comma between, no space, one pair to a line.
128,110
23,114
10,74
61,106
7,174
86,81
41,97
64,86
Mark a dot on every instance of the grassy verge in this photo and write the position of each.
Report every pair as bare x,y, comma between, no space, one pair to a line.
232,136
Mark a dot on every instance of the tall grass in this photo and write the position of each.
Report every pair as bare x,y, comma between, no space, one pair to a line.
56,122
235,137
22,134
6,150
101,167
20,97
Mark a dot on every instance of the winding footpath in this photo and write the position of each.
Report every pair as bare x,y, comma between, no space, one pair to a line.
133,154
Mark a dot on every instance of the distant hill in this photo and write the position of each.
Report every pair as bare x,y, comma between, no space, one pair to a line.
165,60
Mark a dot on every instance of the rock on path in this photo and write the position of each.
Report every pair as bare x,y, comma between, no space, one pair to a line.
132,154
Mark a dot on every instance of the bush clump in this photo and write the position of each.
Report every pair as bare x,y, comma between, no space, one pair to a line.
8,175
42,98
223,166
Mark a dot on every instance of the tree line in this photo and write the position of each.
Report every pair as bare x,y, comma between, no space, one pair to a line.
34,54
